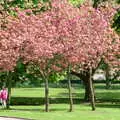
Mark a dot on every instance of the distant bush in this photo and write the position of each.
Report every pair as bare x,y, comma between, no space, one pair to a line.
40,100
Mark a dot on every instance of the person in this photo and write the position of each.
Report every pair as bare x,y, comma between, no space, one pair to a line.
3,97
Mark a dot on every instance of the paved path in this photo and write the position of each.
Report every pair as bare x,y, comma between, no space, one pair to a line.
6,118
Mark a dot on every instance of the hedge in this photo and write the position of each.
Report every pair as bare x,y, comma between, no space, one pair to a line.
40,100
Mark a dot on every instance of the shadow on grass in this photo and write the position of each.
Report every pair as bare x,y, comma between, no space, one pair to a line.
52,109
35,110
100,95
28,109
66,95
113,87
108,105
22,109
65,109
110,95
101,87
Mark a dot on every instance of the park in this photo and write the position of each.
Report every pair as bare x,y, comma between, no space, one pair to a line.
59,59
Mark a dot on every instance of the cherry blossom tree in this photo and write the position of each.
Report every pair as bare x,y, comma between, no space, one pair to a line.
81,36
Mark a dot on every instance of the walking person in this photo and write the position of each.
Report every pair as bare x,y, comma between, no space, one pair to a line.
3,97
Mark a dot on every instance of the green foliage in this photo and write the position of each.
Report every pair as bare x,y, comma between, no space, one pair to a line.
20,68
118,1
56,77
24,4
19,73
96,3
35,2
19,3
116,19
116,23
103,65
12,13
20,77
45,0
76,2
3,78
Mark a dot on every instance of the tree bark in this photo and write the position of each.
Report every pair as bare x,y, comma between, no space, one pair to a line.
70,91
92,96
45,78
9,85
108,81
46,96
85,78
87,90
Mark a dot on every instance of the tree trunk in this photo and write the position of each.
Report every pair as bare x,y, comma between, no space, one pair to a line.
87,90
85,78
45,78
70,91
108,81
9,85
92,96
46,96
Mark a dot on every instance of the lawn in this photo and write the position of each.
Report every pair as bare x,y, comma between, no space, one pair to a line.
78,92
60,112
105,111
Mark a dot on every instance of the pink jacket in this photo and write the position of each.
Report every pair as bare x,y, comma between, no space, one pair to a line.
3,94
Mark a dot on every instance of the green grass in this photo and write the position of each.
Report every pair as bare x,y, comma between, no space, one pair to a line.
105,111
100,91
60,112
37,92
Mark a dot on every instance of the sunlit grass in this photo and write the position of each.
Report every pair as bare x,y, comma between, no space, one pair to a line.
104,111
60,112
100,92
